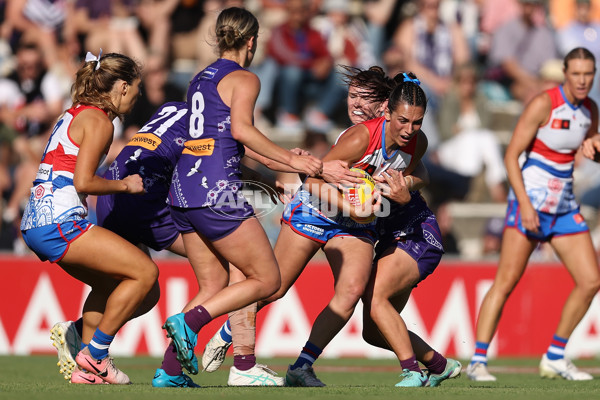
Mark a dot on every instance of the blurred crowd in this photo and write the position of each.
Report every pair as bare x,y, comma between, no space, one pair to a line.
479,62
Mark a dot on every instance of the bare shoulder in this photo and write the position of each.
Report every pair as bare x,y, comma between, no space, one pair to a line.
538,108
355,135
244,78
351,145
93,116
90,120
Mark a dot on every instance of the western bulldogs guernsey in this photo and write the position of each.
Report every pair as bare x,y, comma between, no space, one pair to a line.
154,150
209,166
548,166
376,160
53,198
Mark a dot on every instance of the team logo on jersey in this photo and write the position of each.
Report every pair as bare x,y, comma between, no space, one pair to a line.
200,147
39,191
555,185
551,201
146,140
561,124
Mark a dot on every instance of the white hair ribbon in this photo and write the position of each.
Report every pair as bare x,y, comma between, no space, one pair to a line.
90,57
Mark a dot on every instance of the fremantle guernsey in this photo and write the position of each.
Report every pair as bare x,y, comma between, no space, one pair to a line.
154,150
547,168
209,166
53,198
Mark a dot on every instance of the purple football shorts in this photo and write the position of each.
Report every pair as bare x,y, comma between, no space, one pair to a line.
211,222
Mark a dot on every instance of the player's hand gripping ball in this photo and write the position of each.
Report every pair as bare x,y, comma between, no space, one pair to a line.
361,193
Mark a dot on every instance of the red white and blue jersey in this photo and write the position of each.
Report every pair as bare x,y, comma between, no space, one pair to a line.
375,160
209,167
548,165
53,198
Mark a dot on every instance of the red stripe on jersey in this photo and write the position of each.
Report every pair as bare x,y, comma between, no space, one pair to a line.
62,161
556,100
374,126
540,147
556,97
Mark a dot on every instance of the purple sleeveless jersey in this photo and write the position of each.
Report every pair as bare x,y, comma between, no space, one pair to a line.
152,153
208,170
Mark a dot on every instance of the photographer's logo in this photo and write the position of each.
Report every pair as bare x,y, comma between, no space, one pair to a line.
237,198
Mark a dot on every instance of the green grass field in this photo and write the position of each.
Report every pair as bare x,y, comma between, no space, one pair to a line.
37,377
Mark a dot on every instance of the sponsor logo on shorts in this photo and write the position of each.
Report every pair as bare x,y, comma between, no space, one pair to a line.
146,140
578,218
313,229
200,147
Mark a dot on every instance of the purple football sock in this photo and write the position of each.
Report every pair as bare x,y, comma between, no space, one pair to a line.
196,318
170,365
244,363
437,364
411,364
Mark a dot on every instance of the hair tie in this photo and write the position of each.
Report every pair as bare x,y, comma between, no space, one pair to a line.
90,57
409,79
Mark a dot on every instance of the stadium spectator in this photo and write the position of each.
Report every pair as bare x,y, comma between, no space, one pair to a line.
37,21
156,90
431,49
305,72
582,32
468,147
564,12
346,35
115,29
518,50
31,98
377,14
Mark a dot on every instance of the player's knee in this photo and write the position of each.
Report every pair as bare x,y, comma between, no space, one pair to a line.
270,286
376,312
502,290
589,286
349,295
148,276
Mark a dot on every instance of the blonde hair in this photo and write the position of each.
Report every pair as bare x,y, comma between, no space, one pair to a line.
235,26
94,82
